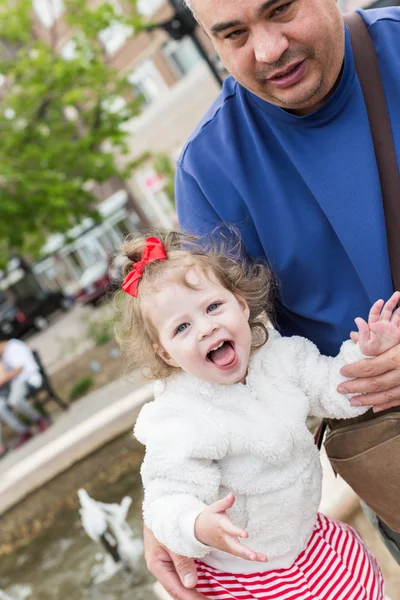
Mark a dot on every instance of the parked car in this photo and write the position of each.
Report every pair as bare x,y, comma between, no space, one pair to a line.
18,315
94,284
12,320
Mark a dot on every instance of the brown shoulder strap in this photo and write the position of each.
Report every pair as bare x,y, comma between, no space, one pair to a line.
368,73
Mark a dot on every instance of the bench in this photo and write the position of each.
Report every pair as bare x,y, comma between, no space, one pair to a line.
45,393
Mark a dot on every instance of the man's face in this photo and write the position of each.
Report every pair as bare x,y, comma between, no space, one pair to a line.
287,52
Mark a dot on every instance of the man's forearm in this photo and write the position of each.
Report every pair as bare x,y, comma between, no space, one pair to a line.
7,377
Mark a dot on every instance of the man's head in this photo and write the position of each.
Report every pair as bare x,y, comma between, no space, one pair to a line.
287,52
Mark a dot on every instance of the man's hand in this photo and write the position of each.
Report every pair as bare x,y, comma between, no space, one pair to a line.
377,379
214,528
177,574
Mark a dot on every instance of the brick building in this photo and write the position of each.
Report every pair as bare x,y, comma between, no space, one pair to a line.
177,88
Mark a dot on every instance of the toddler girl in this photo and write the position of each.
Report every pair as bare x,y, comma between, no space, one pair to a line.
231,475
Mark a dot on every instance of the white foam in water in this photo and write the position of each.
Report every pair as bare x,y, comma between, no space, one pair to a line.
19,592
106,523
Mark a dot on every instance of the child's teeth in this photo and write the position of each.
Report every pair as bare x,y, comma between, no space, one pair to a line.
219,346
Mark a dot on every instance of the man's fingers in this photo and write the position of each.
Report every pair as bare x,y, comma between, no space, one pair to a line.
380,407
386,399
371,385
165,572
186,569
371,367
176,590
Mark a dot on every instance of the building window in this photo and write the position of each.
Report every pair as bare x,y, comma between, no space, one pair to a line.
48,11
115,36
182,55
147,82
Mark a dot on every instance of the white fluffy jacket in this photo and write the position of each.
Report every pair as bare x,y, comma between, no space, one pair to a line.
204,440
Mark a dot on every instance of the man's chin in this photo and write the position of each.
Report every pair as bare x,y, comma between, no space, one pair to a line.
303,96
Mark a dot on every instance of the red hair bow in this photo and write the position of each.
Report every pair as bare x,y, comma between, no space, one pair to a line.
153,250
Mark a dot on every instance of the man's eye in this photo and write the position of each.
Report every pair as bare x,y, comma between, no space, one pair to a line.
280,10
181,327
233,35
213,306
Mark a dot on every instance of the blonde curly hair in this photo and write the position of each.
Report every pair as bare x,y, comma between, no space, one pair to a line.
220,255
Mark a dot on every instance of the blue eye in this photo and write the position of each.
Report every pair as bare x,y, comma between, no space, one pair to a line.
213,306
181,327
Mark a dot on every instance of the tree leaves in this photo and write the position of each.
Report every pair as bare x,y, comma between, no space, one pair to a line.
57,131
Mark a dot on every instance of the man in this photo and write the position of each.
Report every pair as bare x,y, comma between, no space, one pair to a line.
21,377
285,153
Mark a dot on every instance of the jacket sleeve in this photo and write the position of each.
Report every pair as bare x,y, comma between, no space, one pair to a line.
177,484
319,376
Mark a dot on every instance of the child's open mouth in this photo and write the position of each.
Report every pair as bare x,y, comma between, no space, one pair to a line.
223,355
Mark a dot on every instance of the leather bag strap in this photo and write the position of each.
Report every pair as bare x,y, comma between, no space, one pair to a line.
366,64
367,68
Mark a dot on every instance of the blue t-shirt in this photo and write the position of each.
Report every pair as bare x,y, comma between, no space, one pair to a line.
303,191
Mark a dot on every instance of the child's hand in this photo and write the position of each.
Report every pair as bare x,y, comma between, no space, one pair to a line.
382,331
214,528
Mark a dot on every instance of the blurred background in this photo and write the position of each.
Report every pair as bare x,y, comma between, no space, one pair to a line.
97,98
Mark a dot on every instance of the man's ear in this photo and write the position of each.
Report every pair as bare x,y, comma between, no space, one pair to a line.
165,356
244,306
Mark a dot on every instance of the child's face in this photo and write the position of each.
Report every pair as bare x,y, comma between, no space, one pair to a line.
192,324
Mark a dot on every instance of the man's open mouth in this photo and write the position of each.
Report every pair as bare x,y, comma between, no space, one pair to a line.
286,72
223,354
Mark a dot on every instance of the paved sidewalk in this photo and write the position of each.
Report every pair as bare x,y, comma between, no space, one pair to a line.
89,423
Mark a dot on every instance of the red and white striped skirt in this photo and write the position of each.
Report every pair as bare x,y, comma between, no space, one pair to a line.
336,565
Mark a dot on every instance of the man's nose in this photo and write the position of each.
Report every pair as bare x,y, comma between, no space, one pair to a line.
269,45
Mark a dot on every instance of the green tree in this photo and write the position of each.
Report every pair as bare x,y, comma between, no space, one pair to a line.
60,130
164,166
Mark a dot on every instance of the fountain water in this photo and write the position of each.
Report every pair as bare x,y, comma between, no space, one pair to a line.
4,596
64,562
106,524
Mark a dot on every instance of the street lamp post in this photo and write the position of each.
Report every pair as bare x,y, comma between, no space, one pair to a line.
183,23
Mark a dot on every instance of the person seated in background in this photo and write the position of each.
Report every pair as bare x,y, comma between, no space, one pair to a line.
21,377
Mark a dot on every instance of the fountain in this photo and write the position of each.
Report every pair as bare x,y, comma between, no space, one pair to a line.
4,596
106,524
63,561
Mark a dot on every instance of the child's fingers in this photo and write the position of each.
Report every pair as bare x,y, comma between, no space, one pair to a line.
223,504
396,317
231,529
237,549
363,330
389,307
375,312
261,557
354,335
